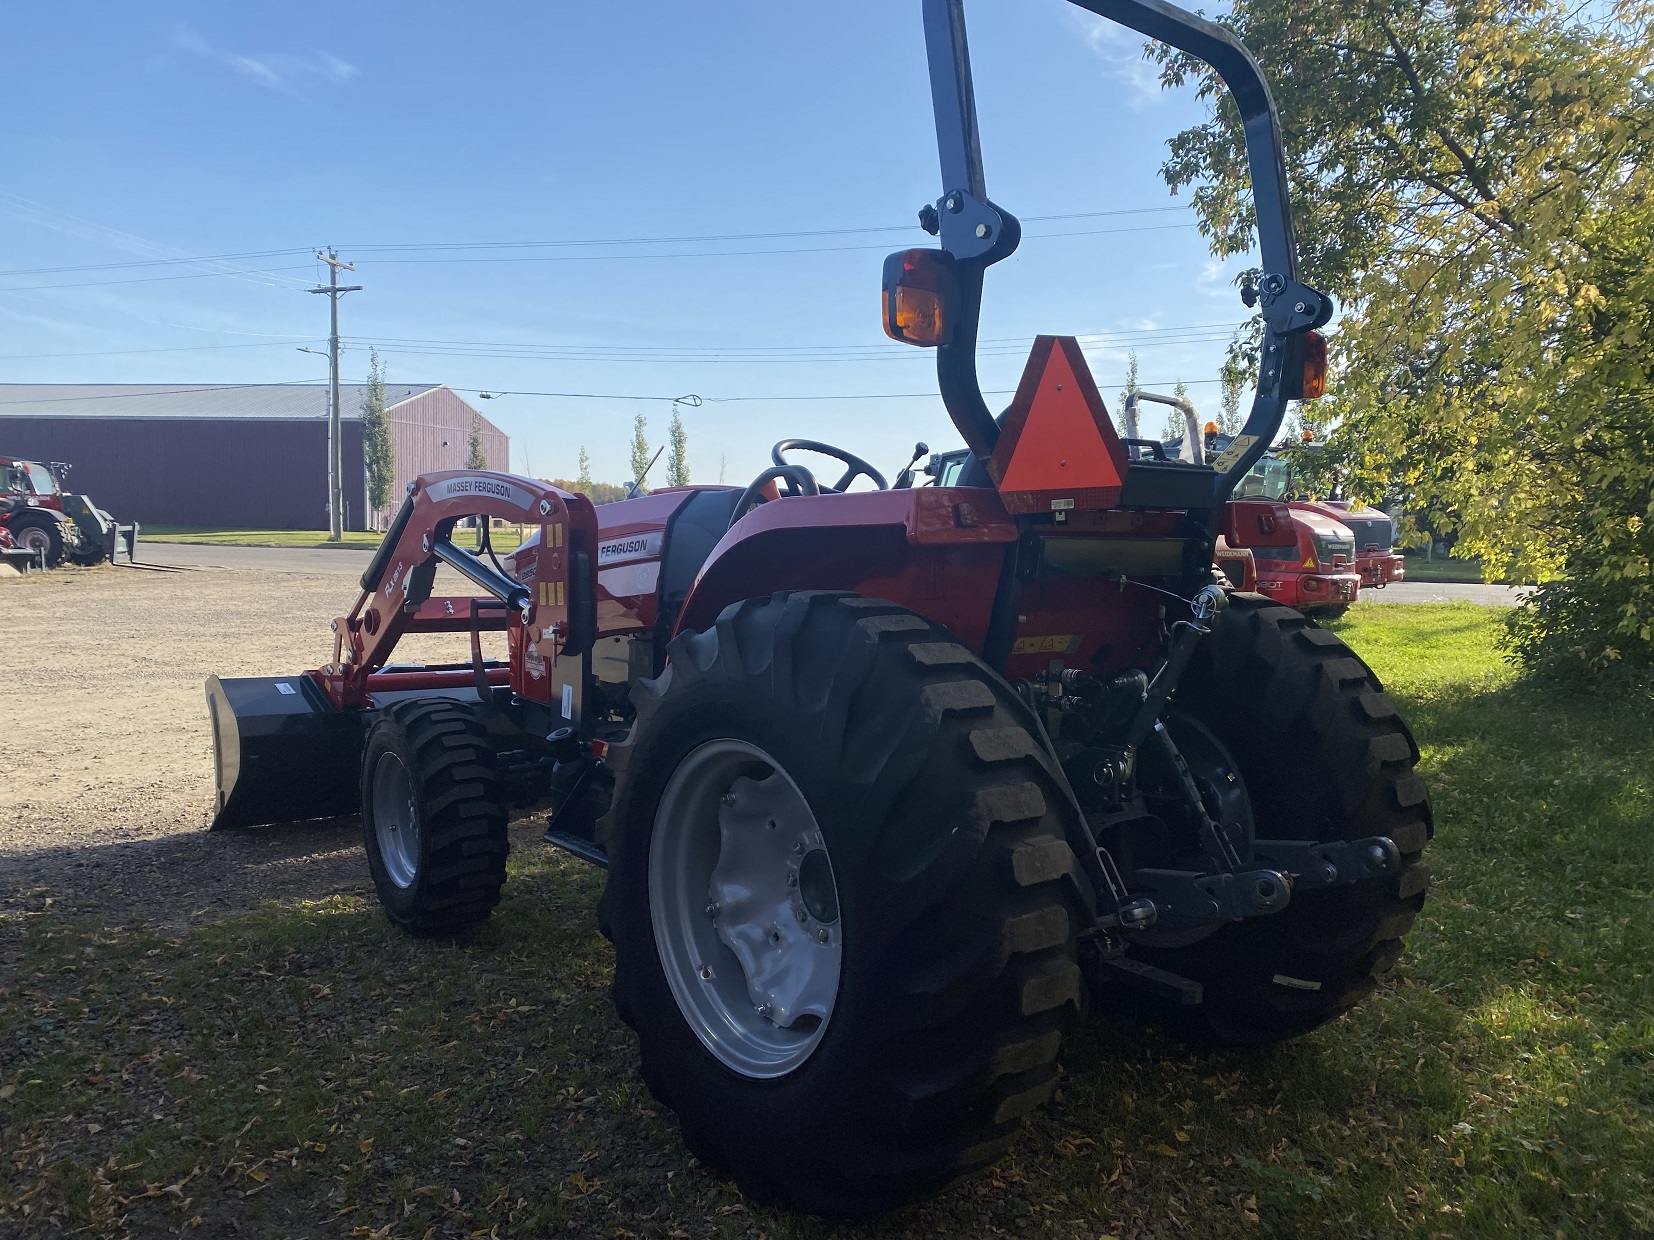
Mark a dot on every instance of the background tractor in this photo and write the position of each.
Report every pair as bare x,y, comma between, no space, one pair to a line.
41,517
887,780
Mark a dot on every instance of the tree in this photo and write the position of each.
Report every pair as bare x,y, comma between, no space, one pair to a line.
640,449
476,458
1177,426
1475,183
583,483
677,456
1129,390
378,454
597,492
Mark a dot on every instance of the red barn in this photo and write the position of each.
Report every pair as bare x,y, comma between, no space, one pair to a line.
232,456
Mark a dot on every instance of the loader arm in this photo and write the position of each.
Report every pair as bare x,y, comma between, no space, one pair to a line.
548,615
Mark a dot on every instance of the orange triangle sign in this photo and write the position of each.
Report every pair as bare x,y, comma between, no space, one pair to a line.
1060,445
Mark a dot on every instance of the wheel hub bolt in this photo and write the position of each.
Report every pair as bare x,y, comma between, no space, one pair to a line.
823,936
801,914
706,973
727,799
712,910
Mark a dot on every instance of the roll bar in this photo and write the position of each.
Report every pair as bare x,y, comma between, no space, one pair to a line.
977,233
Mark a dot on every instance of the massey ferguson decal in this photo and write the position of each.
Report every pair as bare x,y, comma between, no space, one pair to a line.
632,547
478,484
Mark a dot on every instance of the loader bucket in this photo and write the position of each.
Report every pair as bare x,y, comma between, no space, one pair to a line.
281,753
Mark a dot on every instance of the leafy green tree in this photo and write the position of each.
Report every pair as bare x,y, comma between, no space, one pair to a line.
583,483
640,449
476,458
1130,389
677,456
378,454
597,492
1474,181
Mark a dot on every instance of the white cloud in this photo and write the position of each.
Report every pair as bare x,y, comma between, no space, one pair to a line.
280,71
1121,52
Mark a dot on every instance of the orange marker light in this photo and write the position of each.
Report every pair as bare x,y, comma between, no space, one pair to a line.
1211,428
1315,367
920,291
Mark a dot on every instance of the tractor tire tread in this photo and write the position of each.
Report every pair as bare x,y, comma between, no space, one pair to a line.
464,843
977,928
1326,756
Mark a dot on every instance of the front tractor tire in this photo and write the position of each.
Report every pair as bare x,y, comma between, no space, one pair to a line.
40,531
433,816
842,902
1324,756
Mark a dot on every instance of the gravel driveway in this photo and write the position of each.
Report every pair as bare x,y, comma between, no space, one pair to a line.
106,779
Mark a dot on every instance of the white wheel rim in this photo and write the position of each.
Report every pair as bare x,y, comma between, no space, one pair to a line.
745,909
394,825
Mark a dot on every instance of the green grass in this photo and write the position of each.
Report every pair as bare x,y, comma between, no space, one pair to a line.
504,539
306,1071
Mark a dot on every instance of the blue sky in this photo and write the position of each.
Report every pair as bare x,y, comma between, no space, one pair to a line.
501,176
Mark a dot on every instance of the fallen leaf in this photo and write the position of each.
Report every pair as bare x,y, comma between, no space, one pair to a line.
259,1174
1165,1150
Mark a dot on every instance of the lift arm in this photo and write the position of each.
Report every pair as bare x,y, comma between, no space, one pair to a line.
549,613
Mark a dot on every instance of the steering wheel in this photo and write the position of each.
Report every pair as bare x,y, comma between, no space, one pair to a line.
857,466
799,480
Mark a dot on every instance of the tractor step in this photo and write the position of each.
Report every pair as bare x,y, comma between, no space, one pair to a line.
281,753
584,849
1161,983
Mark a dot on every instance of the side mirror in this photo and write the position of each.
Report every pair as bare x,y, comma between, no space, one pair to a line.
921,297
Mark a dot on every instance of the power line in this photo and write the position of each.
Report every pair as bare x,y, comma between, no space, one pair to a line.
700,238
157,262
746,236
194,275
740,352
818,249
194,348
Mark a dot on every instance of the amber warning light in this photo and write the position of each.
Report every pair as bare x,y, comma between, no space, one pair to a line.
1315,367
921,293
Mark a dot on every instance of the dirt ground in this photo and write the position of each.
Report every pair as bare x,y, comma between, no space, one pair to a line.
106,765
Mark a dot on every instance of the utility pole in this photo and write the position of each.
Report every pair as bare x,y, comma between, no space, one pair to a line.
335,452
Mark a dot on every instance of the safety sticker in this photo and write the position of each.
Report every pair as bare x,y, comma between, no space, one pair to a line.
534,662
283,687
1062,643
1227,458
568,701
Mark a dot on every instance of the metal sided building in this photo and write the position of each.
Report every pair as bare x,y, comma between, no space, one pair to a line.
232,456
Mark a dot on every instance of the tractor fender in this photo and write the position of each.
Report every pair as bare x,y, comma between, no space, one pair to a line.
936,551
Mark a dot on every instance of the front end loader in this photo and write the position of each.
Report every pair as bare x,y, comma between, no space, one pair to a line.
889,782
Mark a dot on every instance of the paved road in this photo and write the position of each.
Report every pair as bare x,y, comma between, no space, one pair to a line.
1444,592
351,563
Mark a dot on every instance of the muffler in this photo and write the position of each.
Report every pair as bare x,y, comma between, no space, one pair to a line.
281,753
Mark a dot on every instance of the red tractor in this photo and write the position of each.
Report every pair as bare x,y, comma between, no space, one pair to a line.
887,780
56,525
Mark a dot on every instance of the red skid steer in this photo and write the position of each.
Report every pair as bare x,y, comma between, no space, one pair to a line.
886,780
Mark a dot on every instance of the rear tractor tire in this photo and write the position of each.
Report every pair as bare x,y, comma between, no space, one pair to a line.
1324,756
843,908
433,817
